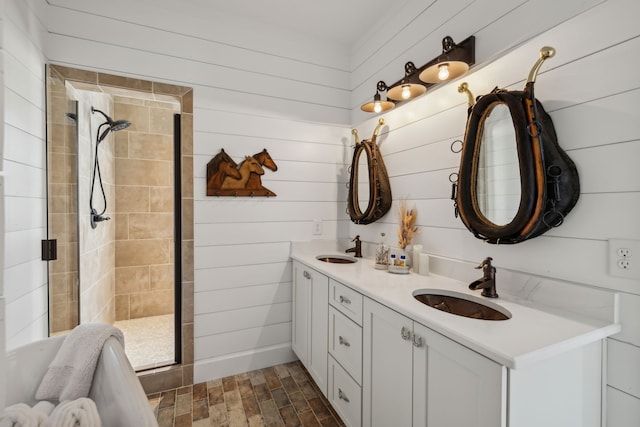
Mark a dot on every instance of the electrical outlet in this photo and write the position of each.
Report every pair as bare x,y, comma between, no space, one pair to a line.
621,261
317,227
624,253
624,264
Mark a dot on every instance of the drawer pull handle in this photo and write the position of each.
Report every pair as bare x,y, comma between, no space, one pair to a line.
405,333
306,275
417,341
343,396
344,300
344,342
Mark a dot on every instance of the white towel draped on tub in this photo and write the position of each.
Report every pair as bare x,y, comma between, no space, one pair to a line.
80,412
76,413
70,374
22,415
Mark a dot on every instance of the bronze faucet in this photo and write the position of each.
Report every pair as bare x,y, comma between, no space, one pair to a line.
357,249
488,281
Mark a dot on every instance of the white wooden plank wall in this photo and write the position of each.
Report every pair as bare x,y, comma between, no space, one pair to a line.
597,122
254,88
24,168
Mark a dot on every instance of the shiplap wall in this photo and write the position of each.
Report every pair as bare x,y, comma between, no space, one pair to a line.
254,88
263,88
23,163
593,105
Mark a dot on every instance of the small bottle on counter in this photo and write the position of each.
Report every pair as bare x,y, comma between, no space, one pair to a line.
393,260
382,255
403,260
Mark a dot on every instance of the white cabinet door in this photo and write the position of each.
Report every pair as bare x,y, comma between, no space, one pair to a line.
455,386
309,329
319,318
301,323
387,367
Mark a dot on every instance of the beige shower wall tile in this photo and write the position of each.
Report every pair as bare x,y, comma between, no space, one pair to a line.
144,172
150,146
138,115
122,307
187,219
151,303
143,252
125,82
150,226
187,134
161,199
161,277
132,279
187,176
132,199
122,226
121,148
161,121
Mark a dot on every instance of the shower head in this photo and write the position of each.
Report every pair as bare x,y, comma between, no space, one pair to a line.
71,116
113,125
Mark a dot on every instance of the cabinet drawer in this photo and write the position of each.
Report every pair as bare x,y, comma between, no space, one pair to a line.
345,343
345,395
345,299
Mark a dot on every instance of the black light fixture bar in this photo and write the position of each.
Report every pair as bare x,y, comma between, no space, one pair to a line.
464,52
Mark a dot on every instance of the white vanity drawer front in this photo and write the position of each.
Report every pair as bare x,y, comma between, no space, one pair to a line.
345,395
345,299
345,343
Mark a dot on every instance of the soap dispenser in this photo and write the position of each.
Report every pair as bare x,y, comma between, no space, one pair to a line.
382,254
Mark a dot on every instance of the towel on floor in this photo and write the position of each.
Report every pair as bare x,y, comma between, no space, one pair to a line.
80,412
70,374
21,415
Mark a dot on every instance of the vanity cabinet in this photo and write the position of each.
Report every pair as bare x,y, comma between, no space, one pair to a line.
345,353
415,376
378,367
309,330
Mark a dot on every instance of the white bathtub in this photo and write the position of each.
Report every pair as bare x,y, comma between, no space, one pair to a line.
116,389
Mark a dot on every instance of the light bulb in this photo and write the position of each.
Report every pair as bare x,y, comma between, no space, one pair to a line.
406,92
377,106
443,71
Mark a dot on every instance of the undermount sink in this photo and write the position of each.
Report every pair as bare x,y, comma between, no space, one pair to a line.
461,304
336,259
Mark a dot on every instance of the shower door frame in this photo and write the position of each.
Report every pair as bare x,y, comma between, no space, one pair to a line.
179,373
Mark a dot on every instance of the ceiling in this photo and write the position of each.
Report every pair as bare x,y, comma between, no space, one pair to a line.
341,21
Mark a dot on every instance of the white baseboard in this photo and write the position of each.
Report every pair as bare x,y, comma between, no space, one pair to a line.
232,364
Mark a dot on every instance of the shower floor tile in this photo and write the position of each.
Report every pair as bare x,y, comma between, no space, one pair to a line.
149,341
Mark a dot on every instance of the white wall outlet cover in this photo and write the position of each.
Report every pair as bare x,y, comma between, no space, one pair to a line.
317,227
624,258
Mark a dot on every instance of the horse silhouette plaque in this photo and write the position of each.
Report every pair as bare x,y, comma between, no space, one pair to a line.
225,177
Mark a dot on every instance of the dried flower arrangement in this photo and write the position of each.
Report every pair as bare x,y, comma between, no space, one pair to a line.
407,225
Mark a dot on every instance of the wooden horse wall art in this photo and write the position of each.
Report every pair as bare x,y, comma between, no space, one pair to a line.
227,178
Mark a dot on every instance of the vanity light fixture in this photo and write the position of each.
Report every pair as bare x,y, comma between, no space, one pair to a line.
447,66
378,105
406,90
454,61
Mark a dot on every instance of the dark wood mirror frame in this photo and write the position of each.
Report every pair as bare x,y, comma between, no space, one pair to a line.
549,183
380,198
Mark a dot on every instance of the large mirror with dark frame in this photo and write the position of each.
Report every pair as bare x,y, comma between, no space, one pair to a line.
514,181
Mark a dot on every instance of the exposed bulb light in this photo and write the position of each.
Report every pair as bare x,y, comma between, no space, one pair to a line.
443,71
377,106
406,91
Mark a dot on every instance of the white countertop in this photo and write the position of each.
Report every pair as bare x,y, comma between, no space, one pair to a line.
530,336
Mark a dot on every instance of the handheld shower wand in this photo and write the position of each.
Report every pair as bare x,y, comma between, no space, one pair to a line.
111,126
